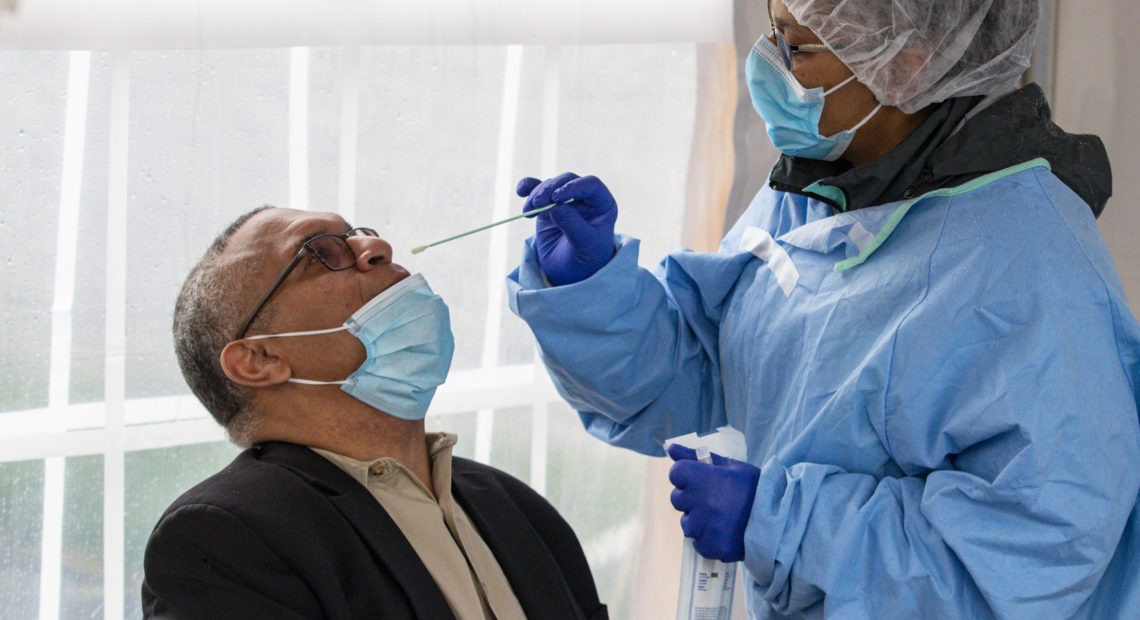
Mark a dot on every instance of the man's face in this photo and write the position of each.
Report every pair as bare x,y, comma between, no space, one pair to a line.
311,297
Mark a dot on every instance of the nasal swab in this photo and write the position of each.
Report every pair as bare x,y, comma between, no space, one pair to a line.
421,248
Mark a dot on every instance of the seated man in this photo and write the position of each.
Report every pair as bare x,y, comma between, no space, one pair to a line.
320,355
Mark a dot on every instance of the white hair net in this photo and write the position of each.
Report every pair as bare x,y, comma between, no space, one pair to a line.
912,53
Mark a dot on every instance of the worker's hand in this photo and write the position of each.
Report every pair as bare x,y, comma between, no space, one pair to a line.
716,500
573,240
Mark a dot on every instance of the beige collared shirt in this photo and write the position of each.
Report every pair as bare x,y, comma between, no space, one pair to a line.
448,544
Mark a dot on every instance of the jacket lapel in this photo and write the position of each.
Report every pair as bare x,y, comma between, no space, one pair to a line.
372,523
532,572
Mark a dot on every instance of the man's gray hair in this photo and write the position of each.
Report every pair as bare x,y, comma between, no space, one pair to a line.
208,311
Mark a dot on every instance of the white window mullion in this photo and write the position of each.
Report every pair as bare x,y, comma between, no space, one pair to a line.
299,128
51,541
349,123
63,296
539,435
552,78
75,130
551,85
116,334
497,259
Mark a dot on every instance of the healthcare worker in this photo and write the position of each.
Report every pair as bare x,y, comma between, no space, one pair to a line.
916,325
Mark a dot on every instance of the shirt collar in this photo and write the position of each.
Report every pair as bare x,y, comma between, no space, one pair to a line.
438,445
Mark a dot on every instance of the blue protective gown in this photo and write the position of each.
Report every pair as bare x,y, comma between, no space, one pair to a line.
941,394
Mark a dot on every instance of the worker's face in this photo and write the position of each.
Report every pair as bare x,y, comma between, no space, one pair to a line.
843,108
312,297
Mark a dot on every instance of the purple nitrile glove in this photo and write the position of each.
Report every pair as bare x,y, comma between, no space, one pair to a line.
716,500
573,240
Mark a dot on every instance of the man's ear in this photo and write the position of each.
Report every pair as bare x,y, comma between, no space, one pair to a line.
253,364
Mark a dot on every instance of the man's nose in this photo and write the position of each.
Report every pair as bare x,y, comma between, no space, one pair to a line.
370,251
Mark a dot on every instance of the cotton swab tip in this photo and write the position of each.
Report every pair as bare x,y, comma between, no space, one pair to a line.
418,249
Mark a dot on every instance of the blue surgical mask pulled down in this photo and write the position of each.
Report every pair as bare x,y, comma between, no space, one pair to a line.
406,332
791,111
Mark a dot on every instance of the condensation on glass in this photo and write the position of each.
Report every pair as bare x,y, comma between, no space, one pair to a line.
435,131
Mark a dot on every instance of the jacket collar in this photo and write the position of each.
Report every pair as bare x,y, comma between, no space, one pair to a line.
956,144
379,532
532,572
891,177
535,576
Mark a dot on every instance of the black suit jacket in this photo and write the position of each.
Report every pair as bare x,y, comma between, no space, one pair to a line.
283,533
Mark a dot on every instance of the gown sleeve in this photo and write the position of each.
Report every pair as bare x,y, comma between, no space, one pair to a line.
635,353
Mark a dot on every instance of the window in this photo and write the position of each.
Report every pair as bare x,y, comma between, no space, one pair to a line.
118,168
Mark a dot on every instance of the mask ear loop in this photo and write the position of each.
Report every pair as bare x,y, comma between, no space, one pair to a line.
312,382
308,333
315,332
839,85
866,118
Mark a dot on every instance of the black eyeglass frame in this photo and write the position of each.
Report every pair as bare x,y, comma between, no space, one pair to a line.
306,248
787,49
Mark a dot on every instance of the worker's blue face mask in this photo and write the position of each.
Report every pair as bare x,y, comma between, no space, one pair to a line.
406,332
791,111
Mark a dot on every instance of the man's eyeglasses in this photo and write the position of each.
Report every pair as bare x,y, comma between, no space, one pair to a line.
787,49
332,250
